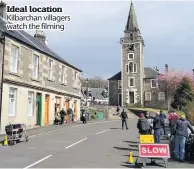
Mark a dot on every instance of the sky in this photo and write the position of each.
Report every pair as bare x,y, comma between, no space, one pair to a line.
91,39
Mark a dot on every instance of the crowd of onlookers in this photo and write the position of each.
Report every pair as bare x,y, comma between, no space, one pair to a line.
178,129
156,124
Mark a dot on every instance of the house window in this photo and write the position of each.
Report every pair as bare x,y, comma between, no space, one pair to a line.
127,68
131,82
130,67
153,83
130,56
148,96
161,96
131,36
119,84
12,101
30,103
14,61
36,67
63,74
50,75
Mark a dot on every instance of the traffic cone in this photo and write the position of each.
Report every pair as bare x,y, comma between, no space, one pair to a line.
5,141
130,158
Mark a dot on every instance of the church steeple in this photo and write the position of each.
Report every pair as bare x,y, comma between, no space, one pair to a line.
132,24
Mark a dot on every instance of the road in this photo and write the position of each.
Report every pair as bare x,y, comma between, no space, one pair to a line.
96,145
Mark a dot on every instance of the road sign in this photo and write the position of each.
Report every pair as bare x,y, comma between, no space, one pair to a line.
146,139
154,150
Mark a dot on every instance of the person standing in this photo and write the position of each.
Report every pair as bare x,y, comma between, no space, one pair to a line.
143,125
70,113
150,120
124,117
181,134
163,118
62,114
118,110
173,117
157,125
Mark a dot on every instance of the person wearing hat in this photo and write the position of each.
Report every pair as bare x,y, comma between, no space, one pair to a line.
181,135
143,125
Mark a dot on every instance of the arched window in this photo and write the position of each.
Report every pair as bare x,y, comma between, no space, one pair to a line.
130,67
131,36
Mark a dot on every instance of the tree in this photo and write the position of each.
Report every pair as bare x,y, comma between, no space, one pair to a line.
170,80
183,94
95,82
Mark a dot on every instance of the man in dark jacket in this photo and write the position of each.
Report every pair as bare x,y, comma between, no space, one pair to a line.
157,125
163,117
62,113
143,125
124,117
181,134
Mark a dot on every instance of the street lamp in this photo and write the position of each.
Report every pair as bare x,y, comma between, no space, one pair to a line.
2,41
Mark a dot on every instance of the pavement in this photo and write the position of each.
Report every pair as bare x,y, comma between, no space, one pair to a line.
101,144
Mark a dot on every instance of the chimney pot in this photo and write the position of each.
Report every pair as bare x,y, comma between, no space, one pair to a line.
3,10
166,68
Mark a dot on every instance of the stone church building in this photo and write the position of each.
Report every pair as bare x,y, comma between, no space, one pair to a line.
135,84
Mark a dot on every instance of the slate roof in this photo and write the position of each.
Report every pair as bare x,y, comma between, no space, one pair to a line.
27,39
95,92
148,72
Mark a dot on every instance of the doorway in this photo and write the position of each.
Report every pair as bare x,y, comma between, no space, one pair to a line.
75,110
120,99
46,113
38,109
131,97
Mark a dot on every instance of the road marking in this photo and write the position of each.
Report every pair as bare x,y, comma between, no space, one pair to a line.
102,131
75,143
63,128
91,123
38,162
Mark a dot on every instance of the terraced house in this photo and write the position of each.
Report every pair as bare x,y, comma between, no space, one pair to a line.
36,81
135,84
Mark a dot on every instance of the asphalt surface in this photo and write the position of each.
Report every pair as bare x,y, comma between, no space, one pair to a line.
96,145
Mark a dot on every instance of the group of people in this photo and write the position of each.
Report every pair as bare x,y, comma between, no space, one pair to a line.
60,117
147,124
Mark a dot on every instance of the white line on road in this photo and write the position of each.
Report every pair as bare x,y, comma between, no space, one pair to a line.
91,123
75,143
102,131
38,162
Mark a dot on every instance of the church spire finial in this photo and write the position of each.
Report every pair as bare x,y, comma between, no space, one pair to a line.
132,24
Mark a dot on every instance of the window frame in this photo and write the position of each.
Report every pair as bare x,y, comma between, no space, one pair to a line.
31,113
15,101
50,69
129,55
150,96
159,96
36,67
16,65
152,83
119,86
129,81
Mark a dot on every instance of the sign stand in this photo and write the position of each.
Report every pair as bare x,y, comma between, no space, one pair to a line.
153,152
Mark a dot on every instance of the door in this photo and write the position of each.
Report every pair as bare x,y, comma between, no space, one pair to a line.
46,113
131,97
119,99
67,104
38,109
75,110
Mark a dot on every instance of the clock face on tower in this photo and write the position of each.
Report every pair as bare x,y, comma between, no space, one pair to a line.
130,47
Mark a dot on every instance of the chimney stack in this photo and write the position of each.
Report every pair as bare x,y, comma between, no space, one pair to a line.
193,71
40,36
166,68
3,10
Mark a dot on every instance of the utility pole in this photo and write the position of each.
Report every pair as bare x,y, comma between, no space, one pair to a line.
2,41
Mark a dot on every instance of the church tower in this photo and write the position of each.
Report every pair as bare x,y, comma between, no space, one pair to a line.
132,61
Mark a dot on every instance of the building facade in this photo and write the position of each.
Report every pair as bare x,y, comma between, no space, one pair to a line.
37,82
135,84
